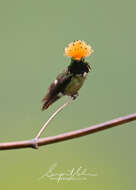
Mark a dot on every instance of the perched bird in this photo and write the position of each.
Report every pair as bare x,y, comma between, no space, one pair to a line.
71,80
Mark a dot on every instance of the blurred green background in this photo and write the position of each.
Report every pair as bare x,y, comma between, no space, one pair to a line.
33,35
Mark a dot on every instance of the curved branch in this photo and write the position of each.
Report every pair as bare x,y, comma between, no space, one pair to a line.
69,135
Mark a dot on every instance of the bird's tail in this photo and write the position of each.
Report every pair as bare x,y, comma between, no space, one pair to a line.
48,101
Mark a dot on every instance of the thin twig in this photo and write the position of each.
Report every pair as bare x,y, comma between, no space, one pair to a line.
69,135
52,117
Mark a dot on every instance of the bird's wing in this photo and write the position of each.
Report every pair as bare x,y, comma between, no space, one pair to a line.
59,84
56,89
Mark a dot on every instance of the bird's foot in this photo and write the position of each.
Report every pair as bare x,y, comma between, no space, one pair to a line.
35,143
74,96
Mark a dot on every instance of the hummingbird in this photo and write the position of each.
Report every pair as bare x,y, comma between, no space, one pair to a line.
72,78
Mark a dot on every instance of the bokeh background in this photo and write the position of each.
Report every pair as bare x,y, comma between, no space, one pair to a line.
33,35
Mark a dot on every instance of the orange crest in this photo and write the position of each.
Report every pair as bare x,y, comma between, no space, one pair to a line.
78,49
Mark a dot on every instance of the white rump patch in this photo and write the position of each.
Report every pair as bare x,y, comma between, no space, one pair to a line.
56,81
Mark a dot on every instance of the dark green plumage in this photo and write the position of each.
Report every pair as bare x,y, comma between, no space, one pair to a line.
67,82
